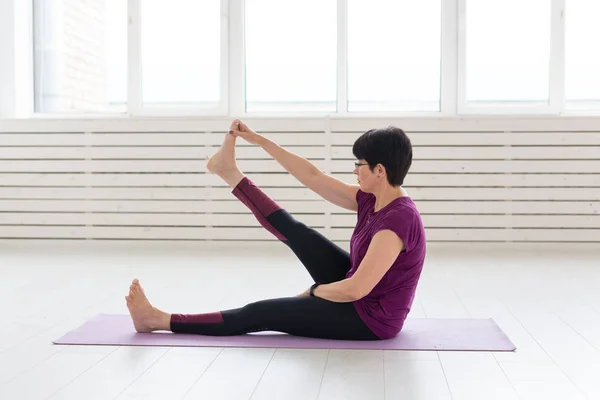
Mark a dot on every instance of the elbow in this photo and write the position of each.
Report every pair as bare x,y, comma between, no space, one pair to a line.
357,293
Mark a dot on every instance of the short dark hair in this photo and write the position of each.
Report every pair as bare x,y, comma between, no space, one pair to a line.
390,147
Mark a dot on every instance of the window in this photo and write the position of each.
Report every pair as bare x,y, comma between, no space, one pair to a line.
507,52
181,53
80,60
394,55
291,55
582,62
152,57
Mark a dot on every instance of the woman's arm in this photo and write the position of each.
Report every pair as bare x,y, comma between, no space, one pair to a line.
328,187
331,189
383,251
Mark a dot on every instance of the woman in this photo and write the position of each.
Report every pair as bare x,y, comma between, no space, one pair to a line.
363,295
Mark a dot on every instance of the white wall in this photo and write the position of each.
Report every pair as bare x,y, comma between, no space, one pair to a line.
474,179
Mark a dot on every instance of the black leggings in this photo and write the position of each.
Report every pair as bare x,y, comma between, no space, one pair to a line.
301,316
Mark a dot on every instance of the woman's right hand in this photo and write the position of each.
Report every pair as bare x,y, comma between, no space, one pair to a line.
239,129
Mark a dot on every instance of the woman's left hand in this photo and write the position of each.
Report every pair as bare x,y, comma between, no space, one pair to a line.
306,293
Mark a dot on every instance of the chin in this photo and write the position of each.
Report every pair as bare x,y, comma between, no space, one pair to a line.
364,189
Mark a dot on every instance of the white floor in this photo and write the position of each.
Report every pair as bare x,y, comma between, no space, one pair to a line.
547,301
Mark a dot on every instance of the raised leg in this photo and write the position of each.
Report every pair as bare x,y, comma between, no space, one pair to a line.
325,261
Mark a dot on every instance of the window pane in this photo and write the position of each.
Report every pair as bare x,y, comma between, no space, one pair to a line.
181,52
291,55
582,61
80,56
388,69
508,51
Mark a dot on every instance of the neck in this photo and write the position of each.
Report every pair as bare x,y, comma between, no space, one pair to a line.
386,194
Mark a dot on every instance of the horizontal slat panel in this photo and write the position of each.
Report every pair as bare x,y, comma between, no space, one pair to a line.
146,193
501,207
177,180
487,180
352,123
485,235
488,138
591,194
43,139
234,206
488,153
259,233
472,123
165,233
122,219
299,193
150,206
160,124
283,139
285,179
317,220
570,166
310,139
148,139
491,166
152,153
490,221
135,166
508,207
45,232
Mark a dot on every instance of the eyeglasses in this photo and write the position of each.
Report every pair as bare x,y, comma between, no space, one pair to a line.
356,165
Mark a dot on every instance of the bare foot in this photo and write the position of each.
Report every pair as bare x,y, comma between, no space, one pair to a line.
145,317
224,159
223,162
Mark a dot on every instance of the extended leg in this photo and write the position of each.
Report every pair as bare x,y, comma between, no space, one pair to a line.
325,261
299,316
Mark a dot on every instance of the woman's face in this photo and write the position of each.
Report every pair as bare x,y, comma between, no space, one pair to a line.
364,175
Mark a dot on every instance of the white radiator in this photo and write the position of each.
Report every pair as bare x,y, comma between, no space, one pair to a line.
474,180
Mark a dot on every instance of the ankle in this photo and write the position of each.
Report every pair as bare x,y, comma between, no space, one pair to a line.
232,177
162,321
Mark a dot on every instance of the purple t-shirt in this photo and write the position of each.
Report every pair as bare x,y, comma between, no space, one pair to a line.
385,308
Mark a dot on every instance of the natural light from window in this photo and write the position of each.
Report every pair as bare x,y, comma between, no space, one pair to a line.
507,51
394,55
388,68
181,47
291,55
582,41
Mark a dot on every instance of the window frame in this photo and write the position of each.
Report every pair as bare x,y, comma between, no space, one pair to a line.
555,62
233,103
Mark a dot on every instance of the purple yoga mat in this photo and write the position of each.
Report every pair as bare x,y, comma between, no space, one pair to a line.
417,334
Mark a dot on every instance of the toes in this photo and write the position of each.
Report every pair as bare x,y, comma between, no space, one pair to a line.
134,284
137,289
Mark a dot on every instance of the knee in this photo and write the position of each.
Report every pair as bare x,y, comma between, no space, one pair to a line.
250,310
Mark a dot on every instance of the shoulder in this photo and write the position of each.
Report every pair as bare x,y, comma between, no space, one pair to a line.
404,220
404,210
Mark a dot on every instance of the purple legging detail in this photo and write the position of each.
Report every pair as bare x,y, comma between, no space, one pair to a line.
208,318
259,203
